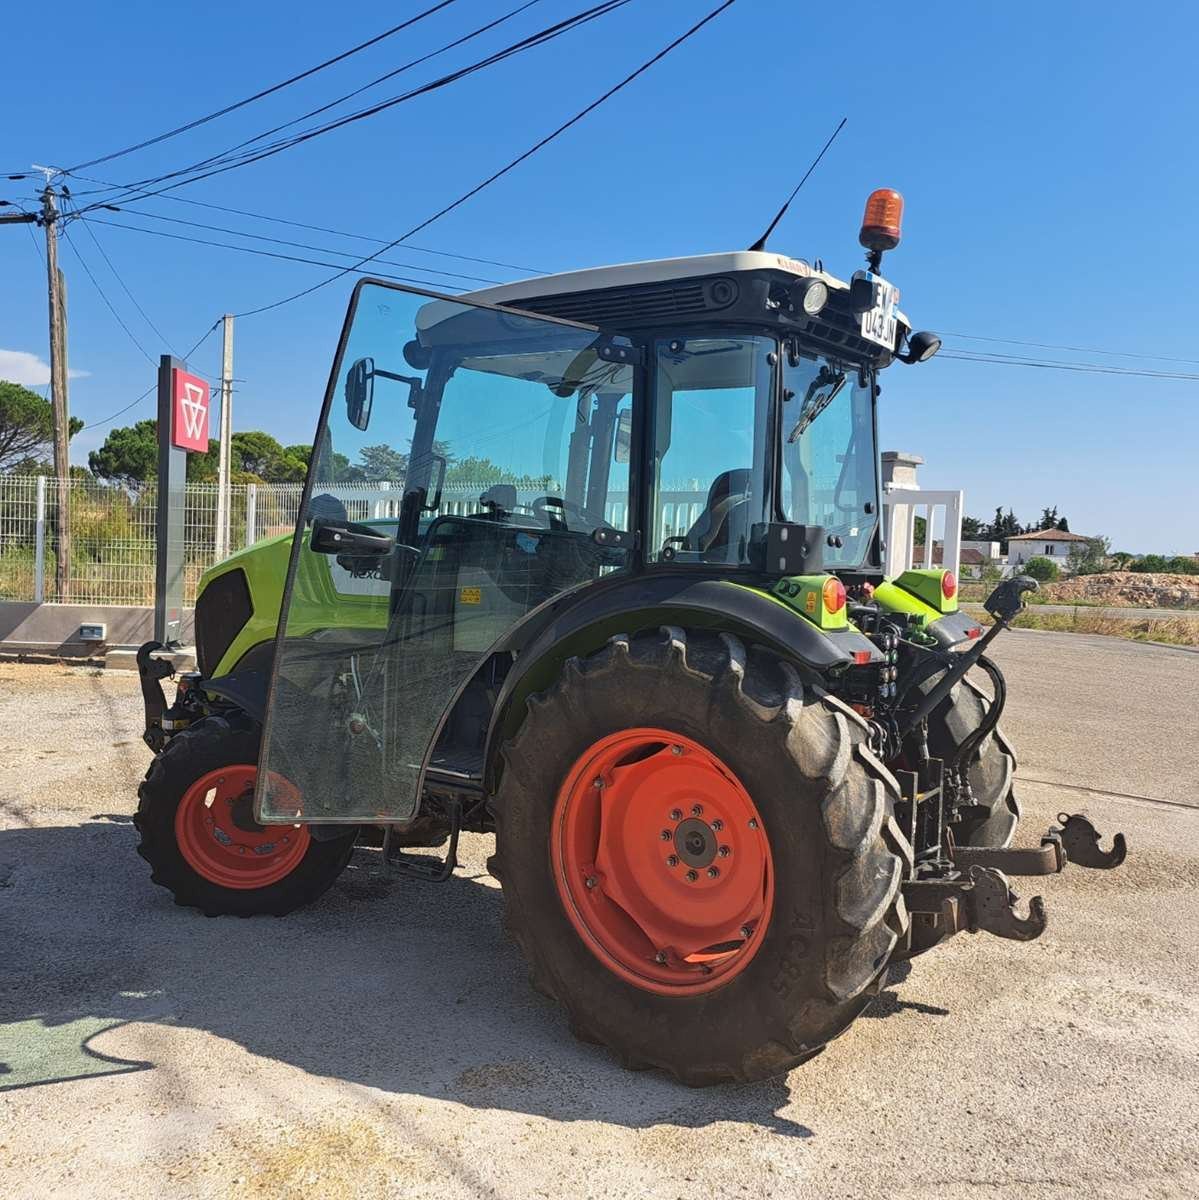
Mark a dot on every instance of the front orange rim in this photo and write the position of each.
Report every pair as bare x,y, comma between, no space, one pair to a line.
220,840
662,862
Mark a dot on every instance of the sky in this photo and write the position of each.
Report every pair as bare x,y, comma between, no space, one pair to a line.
1045,153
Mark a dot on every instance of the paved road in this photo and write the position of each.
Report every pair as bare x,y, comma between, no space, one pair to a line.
1127,614
385,1042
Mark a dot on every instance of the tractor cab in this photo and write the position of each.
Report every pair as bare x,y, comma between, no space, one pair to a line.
709,417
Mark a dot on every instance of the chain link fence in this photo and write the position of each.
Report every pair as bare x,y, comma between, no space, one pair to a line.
113,529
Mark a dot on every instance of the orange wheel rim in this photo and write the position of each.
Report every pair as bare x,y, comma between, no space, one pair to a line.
662,862
220,840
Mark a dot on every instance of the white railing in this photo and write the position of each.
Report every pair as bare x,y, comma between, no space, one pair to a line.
942,515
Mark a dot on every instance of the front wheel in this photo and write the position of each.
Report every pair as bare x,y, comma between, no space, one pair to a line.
198,833
699,856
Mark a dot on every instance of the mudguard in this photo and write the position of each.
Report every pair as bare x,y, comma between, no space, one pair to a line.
629,604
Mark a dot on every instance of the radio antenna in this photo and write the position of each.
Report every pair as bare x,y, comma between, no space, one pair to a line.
760,244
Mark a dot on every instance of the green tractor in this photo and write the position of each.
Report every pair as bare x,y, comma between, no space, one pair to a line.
594,562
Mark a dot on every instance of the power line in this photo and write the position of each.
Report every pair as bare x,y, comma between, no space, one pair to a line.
103,296
259,237
361,237
117,275
195,172
424,58
170,133
545,141
1008,360
977,337
179,237
153,387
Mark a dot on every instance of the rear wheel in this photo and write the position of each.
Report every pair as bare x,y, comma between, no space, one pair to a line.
991,768
198,833
699,856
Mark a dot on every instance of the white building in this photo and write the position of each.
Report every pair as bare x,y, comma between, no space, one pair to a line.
1052,544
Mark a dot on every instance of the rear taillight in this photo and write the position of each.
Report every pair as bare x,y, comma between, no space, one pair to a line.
949,585
833,595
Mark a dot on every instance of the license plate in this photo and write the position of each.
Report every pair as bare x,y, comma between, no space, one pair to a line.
878,324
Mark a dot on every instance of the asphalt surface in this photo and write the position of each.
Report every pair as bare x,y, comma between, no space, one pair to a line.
1119,611
385,1041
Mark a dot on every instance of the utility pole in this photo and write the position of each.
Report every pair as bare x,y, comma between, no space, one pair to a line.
224,456
58,394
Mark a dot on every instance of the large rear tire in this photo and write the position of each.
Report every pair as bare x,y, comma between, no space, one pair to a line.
198,834
663,718
991,769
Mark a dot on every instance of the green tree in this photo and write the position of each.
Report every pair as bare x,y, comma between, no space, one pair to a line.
1063,525
1180,564
1089,557
973,529
380,463
26,427
1042,569
128,456
1048,520
1149,564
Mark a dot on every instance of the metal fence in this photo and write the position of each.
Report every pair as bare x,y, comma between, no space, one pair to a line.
113,529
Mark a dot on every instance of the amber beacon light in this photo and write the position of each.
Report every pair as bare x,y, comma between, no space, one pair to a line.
882,221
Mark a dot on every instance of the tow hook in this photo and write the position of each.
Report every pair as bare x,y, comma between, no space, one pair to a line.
1075,840
1080,840
983,902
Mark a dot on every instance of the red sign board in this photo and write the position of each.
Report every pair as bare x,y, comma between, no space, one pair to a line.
189,413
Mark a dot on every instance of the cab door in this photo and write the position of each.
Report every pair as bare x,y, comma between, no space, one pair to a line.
467,468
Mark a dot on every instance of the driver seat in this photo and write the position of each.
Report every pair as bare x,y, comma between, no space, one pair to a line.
711,528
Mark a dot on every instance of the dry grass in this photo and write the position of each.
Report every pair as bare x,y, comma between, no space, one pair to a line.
1175,631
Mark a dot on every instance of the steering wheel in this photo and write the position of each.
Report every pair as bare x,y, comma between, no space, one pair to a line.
543,508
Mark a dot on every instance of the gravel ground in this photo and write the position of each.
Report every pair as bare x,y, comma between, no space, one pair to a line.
385,1042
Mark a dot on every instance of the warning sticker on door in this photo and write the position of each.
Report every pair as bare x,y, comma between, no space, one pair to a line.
470,595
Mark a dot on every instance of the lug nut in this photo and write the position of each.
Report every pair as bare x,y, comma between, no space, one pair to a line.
753,822
717,825
745,931
691,876
591,882
676,814
724,852
713,872
660,957
696,809
676,749
597,782
673,861
666,835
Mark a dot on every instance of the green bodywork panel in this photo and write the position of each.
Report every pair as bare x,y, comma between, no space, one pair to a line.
927,586
316,602
805,594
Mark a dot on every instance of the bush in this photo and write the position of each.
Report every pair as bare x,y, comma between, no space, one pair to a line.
1042,569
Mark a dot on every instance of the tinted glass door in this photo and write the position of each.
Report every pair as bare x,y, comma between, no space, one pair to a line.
467,469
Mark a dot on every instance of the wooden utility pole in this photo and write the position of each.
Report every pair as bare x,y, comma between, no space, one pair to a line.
224,456
58,395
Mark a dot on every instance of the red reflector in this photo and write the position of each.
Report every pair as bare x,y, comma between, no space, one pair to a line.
949,585
973,632
861,657
834,595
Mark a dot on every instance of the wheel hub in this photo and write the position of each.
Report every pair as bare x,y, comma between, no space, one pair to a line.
695,842
662,861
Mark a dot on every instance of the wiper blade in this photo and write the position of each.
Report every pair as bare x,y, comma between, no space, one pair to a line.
812,408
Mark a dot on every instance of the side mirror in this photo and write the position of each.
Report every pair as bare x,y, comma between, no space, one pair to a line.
624,435
360,392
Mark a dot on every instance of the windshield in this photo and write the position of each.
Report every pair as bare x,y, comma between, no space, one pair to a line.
829,462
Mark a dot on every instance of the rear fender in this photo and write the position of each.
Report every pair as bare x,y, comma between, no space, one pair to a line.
632,604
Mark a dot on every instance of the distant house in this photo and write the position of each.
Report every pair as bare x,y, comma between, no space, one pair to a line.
1053,544
970,561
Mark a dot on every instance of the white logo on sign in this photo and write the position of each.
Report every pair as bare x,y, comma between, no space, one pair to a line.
194,409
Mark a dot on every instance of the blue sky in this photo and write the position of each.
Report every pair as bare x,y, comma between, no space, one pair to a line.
1045,152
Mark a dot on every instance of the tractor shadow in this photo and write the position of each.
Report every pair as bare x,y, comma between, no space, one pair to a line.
407,987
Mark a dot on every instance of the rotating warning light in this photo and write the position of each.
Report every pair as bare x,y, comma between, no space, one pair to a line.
882,222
